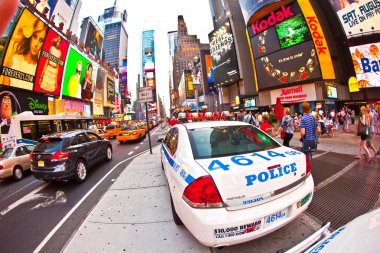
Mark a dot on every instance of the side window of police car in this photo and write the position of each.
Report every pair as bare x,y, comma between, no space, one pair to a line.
171,140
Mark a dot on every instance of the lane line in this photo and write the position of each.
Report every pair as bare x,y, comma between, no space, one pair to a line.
137,147
130,153
324,153
55,229
21,189
335,176
24,199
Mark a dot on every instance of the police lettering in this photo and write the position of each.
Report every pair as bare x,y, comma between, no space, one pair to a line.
271,174
273,18
373,66
317,35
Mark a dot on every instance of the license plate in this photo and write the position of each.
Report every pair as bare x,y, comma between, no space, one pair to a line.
41,163
269,220
303,201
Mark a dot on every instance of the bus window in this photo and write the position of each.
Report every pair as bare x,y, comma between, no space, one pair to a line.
44,128
57,127
68,125
29,130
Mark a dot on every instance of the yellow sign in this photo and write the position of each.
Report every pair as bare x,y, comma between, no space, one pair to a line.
237,100
353,84
320,42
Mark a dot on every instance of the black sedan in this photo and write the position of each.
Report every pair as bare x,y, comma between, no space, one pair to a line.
68,155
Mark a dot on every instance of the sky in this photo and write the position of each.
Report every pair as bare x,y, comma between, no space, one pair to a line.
161,16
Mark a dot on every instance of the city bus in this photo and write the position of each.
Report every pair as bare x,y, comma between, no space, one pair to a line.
28,128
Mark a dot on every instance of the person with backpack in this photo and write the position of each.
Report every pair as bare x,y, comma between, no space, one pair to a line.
249,118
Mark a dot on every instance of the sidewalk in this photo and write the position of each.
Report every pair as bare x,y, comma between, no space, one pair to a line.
134,215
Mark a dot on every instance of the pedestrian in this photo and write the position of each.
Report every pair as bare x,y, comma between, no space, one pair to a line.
363,119
240,115
287,126
309,128
371,130
265,126
249,118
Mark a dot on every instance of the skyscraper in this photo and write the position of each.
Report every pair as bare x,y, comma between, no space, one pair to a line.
172,39
115,45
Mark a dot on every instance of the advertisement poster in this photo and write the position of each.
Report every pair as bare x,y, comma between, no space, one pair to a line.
23,52
123,83
110,93
366,59
265,43
222,49
79,79
42,4
331,90
50,67
4,37
62,14
94,40
99,92
249,7
296,64
293,31
358,16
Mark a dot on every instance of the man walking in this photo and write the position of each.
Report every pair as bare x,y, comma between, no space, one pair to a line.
309,129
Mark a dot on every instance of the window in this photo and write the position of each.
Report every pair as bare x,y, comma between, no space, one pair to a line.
79,139
20,151
171,140
92,136
29,130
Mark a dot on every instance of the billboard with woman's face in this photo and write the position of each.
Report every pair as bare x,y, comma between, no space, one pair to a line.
50,68
78,80
23,52
99,92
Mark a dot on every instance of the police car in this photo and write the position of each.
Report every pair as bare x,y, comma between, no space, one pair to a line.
230,182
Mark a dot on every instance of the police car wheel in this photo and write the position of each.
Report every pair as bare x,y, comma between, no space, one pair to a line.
176,218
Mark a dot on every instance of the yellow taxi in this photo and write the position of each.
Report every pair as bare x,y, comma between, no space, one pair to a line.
143,126
112,130
130,133
150,124
103,134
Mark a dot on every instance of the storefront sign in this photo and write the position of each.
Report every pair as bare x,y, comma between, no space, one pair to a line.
320,42
72,106
294,94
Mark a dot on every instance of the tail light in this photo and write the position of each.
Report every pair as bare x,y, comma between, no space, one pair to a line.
308,167
59,156
134,133
202,193
31,156
1,167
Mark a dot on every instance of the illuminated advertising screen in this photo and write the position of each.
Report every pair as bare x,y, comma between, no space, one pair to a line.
23,52
44,6
331,91
249,7
209,69
293,31
295,64
110,86
99,92
189,87
62,14
50,68
222,49
366,60
358,16
79,79
151,82
265,43
4,37
123,85
94,40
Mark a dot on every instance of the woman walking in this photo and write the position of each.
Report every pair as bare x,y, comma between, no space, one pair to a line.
364,135
287,126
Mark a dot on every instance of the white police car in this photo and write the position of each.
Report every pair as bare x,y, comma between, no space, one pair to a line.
230,182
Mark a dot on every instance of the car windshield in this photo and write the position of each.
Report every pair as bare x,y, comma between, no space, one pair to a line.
128,128
221,141
110,127
6,153
49,145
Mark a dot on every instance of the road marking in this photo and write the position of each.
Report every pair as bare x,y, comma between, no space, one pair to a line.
24,199
130,153
137,147
141,143
335,176
324,153
55,229
21,189
59,198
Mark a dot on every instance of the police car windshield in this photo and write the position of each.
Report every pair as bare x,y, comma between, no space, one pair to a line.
211,142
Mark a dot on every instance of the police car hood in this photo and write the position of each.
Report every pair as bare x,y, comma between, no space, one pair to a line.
251,179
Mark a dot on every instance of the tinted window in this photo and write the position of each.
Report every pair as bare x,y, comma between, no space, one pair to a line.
227,141
20,151
30,148
49,145
92,136
6,153
79,139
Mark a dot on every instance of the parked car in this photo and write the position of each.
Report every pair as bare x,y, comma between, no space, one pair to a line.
358,235
112,130
130,133
102,134
68,155
230,182
14,161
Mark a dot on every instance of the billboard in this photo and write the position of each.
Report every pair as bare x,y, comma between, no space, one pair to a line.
50,67
110,93
79,79
366,60
4,37
293,31
296,64
62,14
41,5
94,40
23,52
265,43
249,7
99,92
358,16
222,49
123,85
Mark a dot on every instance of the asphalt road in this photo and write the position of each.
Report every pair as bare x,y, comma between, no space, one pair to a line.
30,209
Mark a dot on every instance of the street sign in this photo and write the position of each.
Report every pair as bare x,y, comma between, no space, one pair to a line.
145,94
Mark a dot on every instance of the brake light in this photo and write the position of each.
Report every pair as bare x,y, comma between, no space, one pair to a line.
59,156
308,167
202,193
134,133
1,167
30,156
